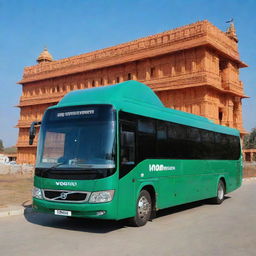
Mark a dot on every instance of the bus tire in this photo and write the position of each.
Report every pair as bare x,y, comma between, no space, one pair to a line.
220,193
143,209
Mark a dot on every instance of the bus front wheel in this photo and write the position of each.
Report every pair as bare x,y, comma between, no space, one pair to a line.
143,209
220,193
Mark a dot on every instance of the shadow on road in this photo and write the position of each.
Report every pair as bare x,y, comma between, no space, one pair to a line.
96,226
75,224
184,207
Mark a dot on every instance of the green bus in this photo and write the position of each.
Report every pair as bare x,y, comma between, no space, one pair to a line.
116,152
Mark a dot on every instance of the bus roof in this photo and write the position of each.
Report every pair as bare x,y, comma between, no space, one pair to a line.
135,97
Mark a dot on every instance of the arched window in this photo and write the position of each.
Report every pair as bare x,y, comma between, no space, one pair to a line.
220,115
152,72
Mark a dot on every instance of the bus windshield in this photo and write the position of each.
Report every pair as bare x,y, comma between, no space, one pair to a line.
78,137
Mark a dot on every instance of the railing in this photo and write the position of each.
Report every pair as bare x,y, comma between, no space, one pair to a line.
232,86
26,144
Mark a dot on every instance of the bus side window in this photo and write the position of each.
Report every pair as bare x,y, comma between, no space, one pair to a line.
217,147
127,147
177,141
194,143
162,147
146,139
207,138
235,147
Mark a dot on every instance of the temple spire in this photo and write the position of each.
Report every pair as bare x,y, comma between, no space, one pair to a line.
44,56
231,31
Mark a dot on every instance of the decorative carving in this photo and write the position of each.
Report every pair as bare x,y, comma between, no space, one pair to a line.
163,41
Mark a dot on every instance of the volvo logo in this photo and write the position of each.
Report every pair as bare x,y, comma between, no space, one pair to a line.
63,195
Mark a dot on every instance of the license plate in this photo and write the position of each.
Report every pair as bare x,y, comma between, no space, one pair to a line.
62,212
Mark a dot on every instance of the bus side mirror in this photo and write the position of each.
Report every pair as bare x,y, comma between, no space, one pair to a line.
32,132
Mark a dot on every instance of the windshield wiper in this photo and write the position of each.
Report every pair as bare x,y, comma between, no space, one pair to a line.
96,166
53,167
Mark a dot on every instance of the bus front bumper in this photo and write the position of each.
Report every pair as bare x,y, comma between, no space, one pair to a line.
81,210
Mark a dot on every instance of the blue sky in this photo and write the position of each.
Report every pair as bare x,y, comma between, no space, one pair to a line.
69,28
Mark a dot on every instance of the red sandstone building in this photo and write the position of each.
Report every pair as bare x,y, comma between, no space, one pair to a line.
194,68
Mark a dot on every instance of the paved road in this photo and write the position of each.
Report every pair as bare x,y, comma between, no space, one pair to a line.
194,229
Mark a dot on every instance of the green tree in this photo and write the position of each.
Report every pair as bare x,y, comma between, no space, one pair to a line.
10,150
1,146
250,139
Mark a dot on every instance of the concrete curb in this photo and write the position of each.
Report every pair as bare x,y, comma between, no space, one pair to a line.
249,178
11,211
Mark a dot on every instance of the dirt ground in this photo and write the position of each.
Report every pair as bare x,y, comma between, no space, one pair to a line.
249,170
15,189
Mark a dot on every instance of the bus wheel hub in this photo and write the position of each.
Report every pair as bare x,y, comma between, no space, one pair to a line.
143,207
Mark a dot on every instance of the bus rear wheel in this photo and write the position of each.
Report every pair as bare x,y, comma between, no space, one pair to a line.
220,193
143,209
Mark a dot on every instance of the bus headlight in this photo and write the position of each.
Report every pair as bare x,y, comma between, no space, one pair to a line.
101,196
37,193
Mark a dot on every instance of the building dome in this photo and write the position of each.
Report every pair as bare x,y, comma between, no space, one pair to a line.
44,56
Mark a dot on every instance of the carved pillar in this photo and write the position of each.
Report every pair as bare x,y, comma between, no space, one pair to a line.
121,78
104,80
238,122
147,73
193,65
209,110
172,63
230,113
201,59
183,63
147,67
159,72
225,73
203,108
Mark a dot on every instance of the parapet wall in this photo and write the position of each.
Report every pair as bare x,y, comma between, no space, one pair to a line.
193,35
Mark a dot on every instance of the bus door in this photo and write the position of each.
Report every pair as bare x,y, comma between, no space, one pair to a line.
127,162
